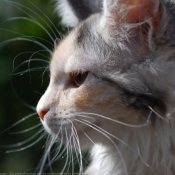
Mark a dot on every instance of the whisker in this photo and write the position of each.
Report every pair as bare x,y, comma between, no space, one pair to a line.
23,142
63,151
116,121
34,12
125,169
79,149
29,61
76,149
158,115
49,157
142,158
31,70
46,69
67,153
104,131
17,123
76,145
87,135
72,159
68,158
72,156
25,62
49,143
57,149
50,164
33,59
170,113
26,130
25,39
49,21
28,146
38,92
34,20
23,35
24,103
11,31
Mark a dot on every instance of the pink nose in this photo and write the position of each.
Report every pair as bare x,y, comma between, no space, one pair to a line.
42,113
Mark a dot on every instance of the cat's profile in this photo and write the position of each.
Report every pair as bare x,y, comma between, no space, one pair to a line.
112,86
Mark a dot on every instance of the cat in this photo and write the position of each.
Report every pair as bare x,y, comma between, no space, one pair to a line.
112,86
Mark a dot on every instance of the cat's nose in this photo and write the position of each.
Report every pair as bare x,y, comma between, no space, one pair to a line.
42,113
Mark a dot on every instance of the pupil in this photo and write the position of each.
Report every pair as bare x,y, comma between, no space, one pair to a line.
79,77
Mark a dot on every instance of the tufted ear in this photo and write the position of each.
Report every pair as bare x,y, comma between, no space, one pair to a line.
74,11
137,12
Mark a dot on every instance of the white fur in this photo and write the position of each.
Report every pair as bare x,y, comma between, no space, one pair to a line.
67,14
102,161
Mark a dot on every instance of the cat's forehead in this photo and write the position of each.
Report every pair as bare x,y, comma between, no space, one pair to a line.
76,51
84,49
64,50
65,54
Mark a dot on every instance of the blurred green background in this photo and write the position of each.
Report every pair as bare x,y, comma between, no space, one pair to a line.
24,77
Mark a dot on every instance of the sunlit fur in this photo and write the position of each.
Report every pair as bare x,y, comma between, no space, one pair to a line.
124,110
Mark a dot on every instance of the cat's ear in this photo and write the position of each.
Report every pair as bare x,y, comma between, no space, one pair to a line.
74,11
137,12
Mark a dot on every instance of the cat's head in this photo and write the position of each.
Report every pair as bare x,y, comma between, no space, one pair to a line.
113,73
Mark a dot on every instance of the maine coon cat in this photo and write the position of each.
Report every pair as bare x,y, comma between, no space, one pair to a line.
112,86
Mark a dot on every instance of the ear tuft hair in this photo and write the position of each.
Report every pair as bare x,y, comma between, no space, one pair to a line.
132,11
66,13
74,11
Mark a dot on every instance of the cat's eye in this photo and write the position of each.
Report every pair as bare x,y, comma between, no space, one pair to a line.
78,77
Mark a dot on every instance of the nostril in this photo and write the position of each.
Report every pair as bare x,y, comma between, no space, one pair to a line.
42,113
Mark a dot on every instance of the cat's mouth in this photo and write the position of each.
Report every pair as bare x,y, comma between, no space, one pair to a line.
65,127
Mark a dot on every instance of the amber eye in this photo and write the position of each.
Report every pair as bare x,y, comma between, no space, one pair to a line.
78,77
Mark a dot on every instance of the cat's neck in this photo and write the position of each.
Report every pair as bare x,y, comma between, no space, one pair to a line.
121,159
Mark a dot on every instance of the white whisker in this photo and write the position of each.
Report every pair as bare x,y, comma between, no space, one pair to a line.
75,145
43,159
49,21
46,69
110,141
79,149
72,155
23,142
29,60
116,121
29,39
17,5
17,123
23,35
67,153
40,60
121,141
26,130
24,103
57,149
31,70
142,158
86,134
28,146
158,115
